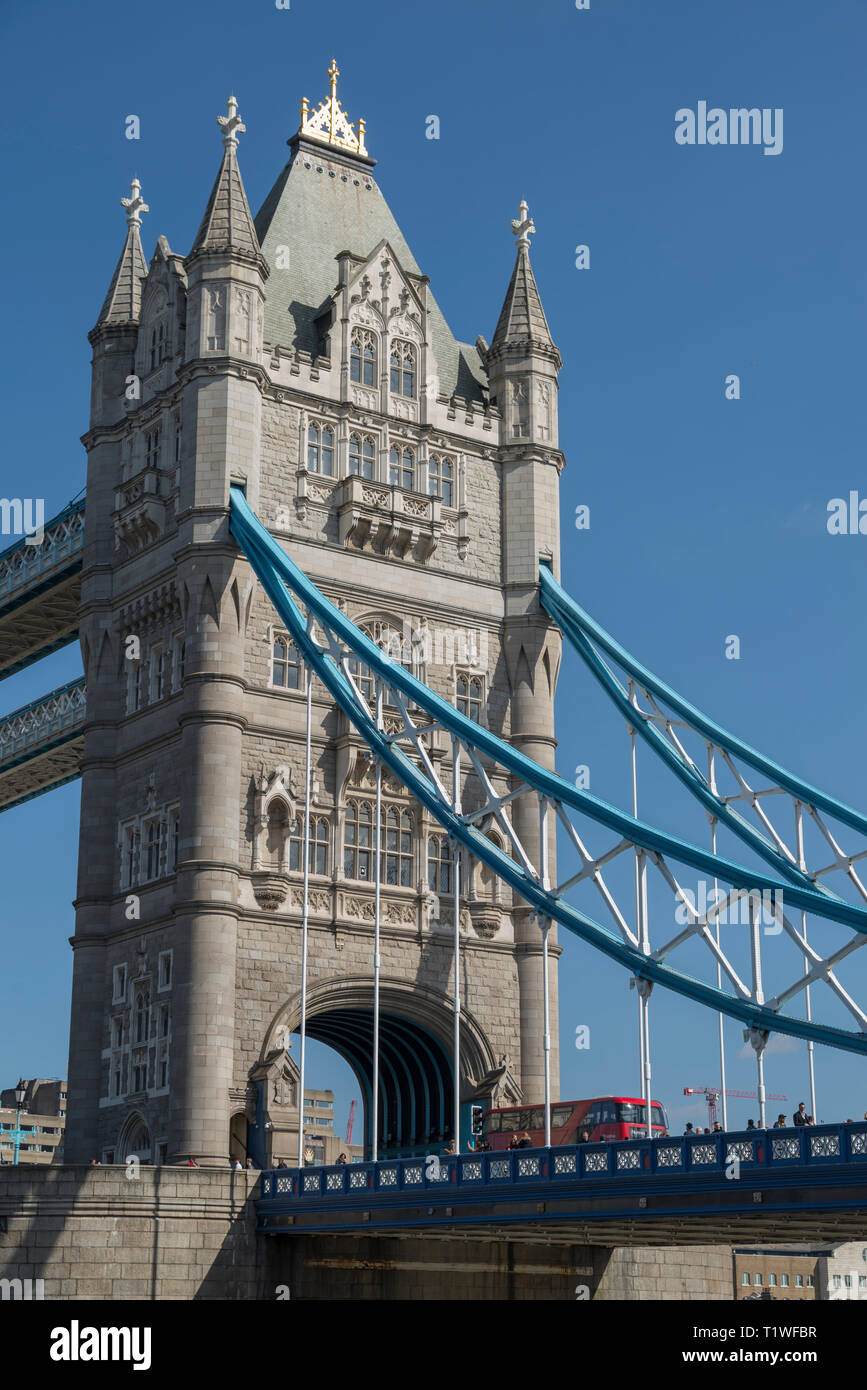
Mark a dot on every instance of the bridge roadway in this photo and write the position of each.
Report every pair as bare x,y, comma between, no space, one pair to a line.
802,1184
41,744
40,589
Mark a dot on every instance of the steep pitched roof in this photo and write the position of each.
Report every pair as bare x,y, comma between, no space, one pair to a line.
122,304
227,224
522,318
321,204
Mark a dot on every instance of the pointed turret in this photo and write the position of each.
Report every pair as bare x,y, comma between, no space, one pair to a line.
522,322
122,304
227,225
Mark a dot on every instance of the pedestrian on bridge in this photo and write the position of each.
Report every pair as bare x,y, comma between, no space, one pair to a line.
800,1115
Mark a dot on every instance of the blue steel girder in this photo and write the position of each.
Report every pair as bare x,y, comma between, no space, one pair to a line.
329,657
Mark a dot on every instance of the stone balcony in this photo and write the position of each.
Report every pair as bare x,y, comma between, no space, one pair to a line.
387,520
140,510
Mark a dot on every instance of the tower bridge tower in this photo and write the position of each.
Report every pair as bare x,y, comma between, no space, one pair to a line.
414,477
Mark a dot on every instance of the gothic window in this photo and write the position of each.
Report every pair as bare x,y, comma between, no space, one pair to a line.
397,845
358,840
286,664
164,970
141,1010
158,663
391,642
317,845
362,357
216,334
402,369
152,448
174,839
153,843
117,1078
134,687
163,1028
362,454
441,473
159,344
139,1070
278,825
117,1031
119,985
178,437
179,655
130,857
163,1071
470,696
439,864
320,449
401,468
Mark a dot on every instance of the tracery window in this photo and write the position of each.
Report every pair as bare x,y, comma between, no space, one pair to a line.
396,844
402,369
362,455
470,696
317,845
159,344
152,448
320,449
362,357
439,864
401,467
441,474
286,664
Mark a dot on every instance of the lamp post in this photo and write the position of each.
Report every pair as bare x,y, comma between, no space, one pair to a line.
20,1093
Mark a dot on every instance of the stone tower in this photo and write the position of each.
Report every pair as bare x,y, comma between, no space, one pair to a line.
414,478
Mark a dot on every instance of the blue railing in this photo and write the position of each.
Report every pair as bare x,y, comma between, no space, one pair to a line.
708,1154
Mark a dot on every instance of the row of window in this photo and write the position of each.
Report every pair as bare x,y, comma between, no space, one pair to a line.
397,847
149,847
119,978
286,671
156,676
440,480
140,1040
799,1281
402,363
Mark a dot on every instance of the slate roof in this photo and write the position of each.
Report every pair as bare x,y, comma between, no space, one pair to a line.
122,304
227,224
522,318
315,216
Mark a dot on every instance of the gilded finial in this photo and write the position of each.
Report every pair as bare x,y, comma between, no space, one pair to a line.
523,226
329,122
134,204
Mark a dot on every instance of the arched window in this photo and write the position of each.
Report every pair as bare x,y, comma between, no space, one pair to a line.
358,840
402,369
439,864
320,449
318,845
470,696
392,643
159,344
362,357
401,468
152,448
441,474
153,842
397,835
140,1015
362,455
286,664
278,826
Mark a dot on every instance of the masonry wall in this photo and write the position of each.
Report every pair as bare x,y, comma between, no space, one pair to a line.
188,1234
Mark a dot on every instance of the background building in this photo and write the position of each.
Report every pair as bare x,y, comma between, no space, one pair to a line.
43,1119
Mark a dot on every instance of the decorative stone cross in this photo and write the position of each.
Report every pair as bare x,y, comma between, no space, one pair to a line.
524,226
134,204
231,123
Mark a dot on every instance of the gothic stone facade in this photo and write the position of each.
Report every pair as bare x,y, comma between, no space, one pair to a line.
415,479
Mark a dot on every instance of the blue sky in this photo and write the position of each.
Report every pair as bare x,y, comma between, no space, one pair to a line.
708,516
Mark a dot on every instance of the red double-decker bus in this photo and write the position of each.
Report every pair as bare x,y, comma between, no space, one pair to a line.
603,1118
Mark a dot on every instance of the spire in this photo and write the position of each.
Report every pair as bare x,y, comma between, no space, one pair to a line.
123,302
227,224
329,122
522,321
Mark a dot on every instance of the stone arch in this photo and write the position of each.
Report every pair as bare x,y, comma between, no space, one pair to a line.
416,1093
134,1139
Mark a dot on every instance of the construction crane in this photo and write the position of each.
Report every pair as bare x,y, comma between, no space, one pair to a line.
713,1093
349,1125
